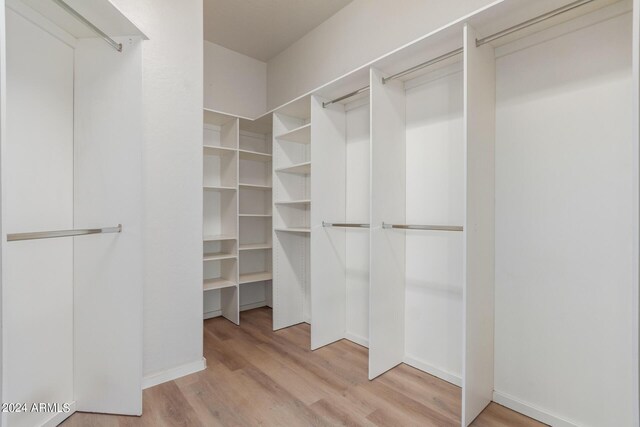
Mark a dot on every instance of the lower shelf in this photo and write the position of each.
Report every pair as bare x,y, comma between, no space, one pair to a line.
211,284
294,229
218,256
255,277
254,246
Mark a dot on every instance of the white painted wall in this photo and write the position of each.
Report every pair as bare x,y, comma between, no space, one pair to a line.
357,34
234,83
564,219
173,100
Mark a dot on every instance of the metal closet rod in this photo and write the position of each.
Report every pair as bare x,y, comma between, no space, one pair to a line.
479,42
71,11
424,227
344,225
62,233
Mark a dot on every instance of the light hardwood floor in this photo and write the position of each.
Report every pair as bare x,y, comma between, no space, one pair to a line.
257,377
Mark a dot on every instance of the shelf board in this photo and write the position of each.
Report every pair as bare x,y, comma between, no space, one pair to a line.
211,284
218,237
255,187
218,188
293,202
255,246
299,168
301,135
255,215
294,229
210,150
255,156
255,277
217,256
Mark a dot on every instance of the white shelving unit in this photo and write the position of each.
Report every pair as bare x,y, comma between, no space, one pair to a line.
255,212
237,218
292,214
220,216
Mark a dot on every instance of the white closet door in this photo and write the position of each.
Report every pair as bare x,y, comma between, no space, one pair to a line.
387,283
37,195
108,191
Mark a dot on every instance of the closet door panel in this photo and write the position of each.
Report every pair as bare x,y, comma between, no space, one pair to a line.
108,191
328,255
479,129
37,195
387,286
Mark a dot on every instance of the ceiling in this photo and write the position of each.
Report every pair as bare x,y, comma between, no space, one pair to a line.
263,28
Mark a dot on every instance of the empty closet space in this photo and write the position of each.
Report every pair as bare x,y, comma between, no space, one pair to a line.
292,213
340,221
66,170
565,168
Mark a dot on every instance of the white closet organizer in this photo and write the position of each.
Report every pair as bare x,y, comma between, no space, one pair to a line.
220,216
236,215
291,210
461,243
255,210
71,142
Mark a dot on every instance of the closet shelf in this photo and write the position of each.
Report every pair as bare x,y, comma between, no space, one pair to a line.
255,156
294,229
299,168
255,215
218,188
218,237
217,256
255,187
301,135
210,150
211,284
255,277
293,202
255,246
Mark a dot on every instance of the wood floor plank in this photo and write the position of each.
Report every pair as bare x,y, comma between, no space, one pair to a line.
258,377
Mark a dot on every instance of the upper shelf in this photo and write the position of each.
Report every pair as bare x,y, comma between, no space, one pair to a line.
254,156
210,150
301,135
300,168
255,187
101,13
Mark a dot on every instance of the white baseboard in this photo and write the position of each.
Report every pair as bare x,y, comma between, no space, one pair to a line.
245,307
258,304
173,373
357,339
59,417
430,369
530,410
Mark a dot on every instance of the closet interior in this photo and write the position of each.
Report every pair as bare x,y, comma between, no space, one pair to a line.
444,177
236,215
292,153
71,180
